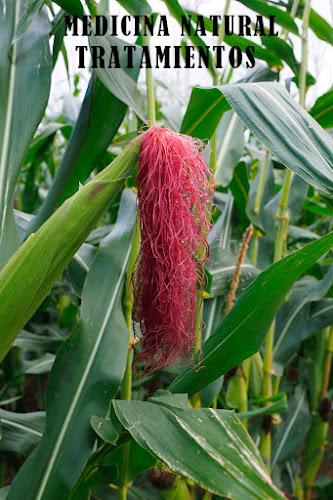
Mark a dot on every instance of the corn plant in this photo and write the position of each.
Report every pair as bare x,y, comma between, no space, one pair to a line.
165,285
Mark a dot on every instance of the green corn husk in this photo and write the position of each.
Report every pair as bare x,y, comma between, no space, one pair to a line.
30,273
237,390
256,375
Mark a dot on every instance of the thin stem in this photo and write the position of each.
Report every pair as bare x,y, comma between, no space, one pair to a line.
258,202
283,218
293,12
268,362
126,395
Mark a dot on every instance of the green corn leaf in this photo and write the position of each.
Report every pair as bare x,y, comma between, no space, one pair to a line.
120,81
280,17
293,317
73,7
27,60
208,104
87,373
243,330
290,434
136,7
31,272
100,117
320,27
204,112
322,110
284,127
211,447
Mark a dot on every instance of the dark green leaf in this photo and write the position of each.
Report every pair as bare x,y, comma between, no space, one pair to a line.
204,112
321,316
322,110
207,105
73,7
210,447
321,27
243,330
87,372
280,17
293,315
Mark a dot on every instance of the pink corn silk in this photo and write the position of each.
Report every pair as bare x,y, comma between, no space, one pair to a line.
175,192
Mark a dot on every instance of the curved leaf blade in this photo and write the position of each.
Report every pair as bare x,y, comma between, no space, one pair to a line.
322,110
26,60
100,116
119,80
210,447
280,17
285,128
243,330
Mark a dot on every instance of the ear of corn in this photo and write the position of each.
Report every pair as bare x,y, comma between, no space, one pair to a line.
31,272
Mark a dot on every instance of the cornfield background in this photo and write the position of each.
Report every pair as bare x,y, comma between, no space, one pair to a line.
249,416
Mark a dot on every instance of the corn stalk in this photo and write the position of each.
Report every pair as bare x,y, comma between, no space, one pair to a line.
282,217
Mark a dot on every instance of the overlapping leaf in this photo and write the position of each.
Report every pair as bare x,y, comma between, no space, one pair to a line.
210,447
26,60
87,372
31,272
286,129
244,328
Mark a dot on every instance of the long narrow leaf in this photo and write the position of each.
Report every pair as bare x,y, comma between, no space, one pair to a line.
242,332
27,60
87,372
100,117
